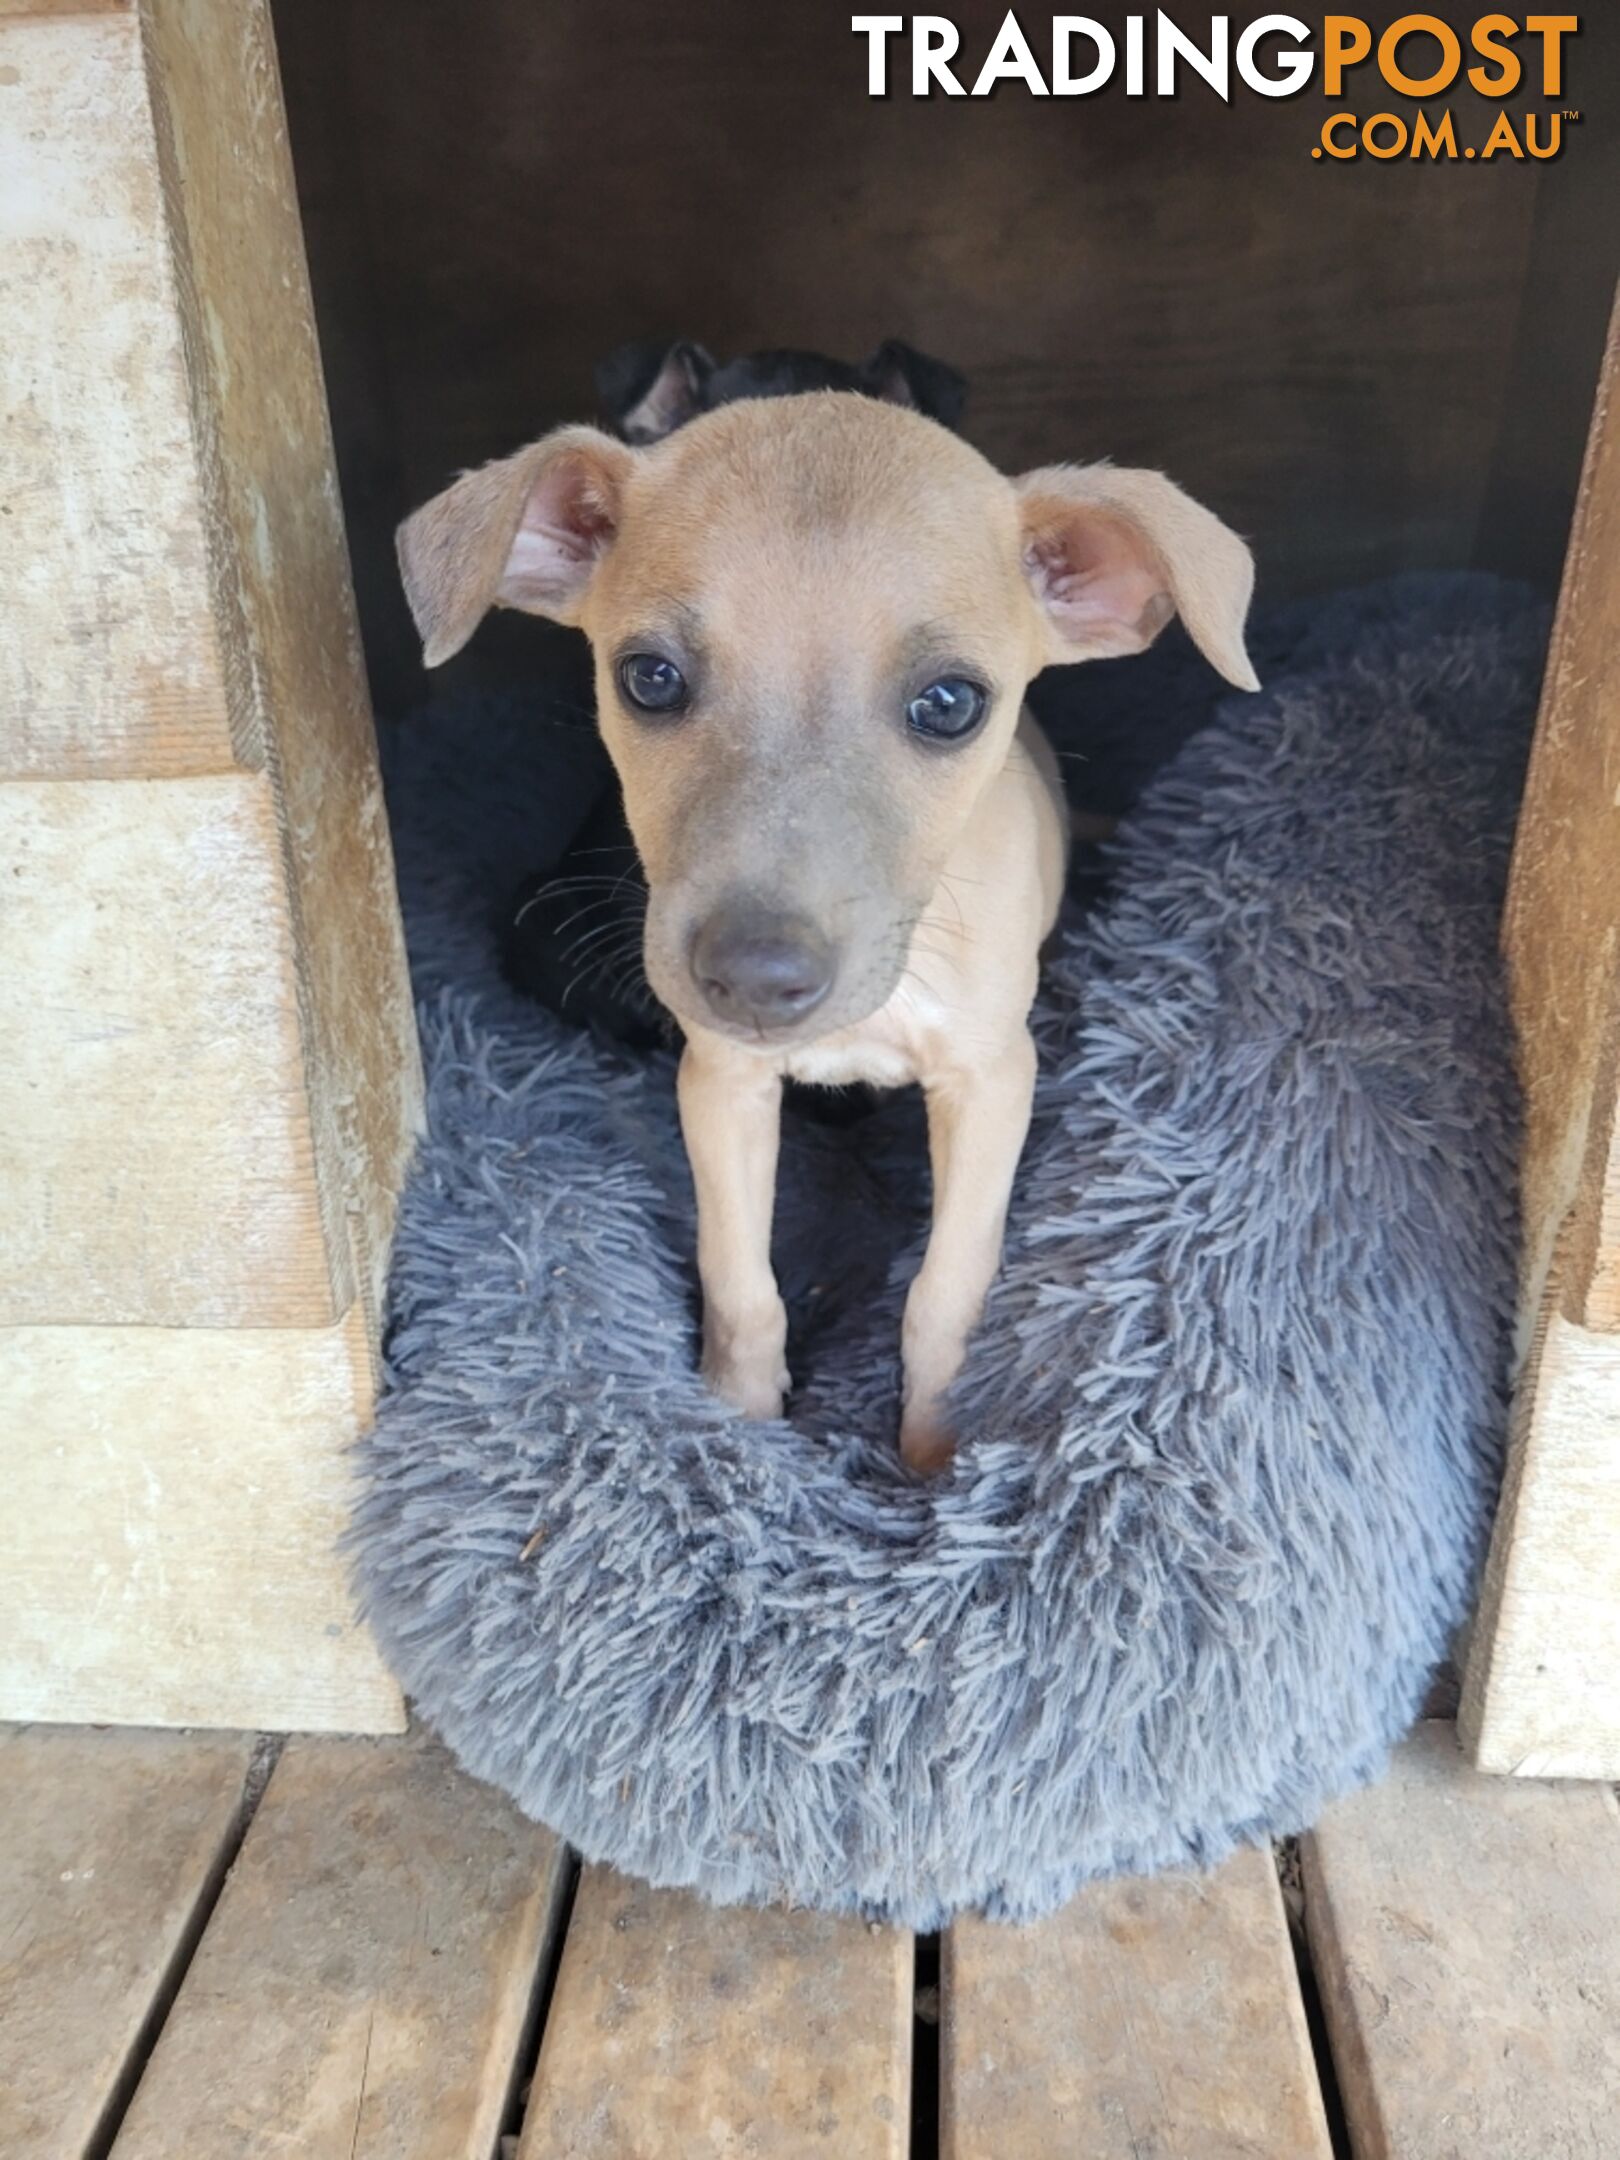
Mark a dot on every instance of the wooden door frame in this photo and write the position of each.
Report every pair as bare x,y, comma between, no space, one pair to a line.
1542,1687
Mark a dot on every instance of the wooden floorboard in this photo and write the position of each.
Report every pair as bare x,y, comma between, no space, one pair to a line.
1156,2018
364,1987
677,2029
1466,1937
110,1846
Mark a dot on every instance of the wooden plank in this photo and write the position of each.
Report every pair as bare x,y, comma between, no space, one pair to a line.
286,608
172,541
1562,928
168,1543
1542,1684
156,1148
1159,2017
365,1985
111,1848
215,1086
1466,1936
16,8
111,663
1541,1696
676,2028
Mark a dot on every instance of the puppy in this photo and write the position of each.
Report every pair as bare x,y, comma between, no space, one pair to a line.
813,623
649,390
571,927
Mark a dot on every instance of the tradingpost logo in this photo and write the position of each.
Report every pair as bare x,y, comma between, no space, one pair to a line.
1417,57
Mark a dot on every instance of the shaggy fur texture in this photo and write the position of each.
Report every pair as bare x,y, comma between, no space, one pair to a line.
1234,1413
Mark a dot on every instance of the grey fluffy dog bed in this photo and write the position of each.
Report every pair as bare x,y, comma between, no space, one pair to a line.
1234,1411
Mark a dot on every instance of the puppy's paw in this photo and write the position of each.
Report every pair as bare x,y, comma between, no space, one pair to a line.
755,1387
745,1355
927,1442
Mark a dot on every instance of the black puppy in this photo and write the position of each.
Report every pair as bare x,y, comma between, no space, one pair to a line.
573,938
649,390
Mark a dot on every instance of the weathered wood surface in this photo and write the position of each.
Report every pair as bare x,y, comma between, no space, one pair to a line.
1466,1937
1562,929
718,2035
173,553
1159,2017
212,1086
1542,1688
111,663
18,8
110,1845
1541,1695
366,1982
285,606
173,1500
156,1150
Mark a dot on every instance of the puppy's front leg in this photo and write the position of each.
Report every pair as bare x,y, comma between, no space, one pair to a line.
978,1118
731,1116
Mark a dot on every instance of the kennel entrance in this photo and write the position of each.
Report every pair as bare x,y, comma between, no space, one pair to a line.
214,1105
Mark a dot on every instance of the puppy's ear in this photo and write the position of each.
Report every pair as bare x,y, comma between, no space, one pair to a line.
1112,555
649,390
525,532
904,376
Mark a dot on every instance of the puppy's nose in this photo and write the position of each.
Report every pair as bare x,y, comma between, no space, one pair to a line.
760,969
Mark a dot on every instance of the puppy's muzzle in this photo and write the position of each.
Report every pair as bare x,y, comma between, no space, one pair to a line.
759,969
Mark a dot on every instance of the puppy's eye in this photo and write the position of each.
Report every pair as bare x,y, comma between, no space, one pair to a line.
948,709
653,683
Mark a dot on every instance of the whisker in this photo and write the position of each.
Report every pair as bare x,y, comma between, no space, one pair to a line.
961,919
591,907
589,938
908,975
535,899
583,883
567,705
583,973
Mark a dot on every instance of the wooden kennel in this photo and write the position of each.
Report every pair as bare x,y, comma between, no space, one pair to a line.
211,1086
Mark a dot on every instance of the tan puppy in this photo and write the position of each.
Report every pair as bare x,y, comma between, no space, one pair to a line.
814,620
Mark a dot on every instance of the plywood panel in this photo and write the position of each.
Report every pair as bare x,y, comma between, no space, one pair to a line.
676,2028
168,1543
156,1150
365,1984
1466,1937
1158,2017
111,1848
1320,350
111,662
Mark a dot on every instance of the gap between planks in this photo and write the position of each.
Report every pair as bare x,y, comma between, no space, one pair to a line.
680,2028
114,1849
1147,2017
382,1954
367,1980
1465,1932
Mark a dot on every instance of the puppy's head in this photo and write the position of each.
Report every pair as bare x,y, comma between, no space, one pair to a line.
814,621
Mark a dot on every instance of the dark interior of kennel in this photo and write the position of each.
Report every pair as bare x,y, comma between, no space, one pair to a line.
1365,367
